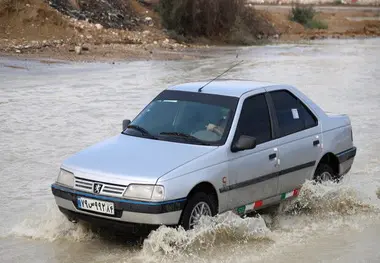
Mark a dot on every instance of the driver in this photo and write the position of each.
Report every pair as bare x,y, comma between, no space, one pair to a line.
215,128
218,129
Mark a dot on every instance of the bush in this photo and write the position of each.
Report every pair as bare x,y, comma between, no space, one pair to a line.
316,24
199,17
305,16
224,19
302,14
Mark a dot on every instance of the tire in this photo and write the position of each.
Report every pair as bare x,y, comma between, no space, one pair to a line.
195,200
324,173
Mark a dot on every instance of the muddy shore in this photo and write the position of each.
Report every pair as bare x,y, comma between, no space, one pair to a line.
34,30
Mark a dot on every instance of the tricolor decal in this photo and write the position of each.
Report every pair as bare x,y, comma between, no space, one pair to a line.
245,208
287,195
250,207
258,203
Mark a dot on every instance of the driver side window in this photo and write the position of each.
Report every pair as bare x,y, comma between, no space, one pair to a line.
254,119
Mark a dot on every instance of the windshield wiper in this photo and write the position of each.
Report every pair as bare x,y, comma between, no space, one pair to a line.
188,137
142,130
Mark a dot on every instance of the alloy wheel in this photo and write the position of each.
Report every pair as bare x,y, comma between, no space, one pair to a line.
200,209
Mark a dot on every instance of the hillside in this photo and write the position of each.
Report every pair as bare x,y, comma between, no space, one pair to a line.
32,26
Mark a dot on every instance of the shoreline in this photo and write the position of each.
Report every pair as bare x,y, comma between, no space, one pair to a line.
125,53
78,40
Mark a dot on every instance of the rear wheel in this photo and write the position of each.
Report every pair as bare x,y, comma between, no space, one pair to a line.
325,173
199,204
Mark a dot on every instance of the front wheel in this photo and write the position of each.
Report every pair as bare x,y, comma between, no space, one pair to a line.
325,173
200,204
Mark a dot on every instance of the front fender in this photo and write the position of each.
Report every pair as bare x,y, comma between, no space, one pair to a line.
181,186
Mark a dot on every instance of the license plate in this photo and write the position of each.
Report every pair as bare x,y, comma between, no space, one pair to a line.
96,205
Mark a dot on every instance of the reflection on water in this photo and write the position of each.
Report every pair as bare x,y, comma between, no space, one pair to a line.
50,111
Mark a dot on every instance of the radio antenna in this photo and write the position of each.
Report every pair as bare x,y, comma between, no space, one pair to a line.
200,89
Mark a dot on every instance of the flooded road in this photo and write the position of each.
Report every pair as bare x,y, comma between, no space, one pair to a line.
50,111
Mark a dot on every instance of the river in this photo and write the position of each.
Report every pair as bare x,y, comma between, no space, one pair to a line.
50,111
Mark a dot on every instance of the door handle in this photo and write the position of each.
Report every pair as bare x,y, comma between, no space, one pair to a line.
315,143
272,156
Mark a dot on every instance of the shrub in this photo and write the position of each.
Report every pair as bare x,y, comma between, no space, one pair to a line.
302,14
305,16
316,24
199,17
224,19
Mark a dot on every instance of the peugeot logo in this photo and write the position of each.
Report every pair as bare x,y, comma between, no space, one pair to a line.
97,188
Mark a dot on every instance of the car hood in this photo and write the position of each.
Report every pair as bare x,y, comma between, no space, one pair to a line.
127,159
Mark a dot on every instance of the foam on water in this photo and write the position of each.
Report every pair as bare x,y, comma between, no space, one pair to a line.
51,225
330,199
319,209
226,227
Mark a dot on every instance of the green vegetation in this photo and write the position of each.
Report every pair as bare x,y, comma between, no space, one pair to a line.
229,21
305,15
316,24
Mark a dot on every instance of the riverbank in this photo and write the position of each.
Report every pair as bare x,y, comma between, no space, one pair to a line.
33,29
342,21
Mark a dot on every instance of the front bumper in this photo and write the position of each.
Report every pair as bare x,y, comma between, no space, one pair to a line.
128,211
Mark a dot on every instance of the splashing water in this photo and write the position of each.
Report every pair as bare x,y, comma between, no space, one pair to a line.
320,209
329,199
51,225
223,228
333,204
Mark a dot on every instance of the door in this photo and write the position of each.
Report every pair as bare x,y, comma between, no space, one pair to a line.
299,137
252,173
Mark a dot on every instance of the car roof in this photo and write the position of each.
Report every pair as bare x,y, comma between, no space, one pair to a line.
226,87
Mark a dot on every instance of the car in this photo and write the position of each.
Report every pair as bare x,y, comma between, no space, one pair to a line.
201,149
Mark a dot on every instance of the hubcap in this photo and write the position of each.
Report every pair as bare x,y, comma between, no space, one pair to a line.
324,177
201,209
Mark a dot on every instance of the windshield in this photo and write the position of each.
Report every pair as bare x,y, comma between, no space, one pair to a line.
186,117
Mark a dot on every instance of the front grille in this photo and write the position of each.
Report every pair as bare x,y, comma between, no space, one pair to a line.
107,189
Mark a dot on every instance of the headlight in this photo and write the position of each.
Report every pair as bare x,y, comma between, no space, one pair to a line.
145,192
65,178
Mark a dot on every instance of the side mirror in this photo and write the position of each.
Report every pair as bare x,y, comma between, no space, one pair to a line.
244,143
125,124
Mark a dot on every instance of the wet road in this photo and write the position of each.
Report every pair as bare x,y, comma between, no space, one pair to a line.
48,112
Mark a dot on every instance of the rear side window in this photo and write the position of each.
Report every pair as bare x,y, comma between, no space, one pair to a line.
254,119
292,115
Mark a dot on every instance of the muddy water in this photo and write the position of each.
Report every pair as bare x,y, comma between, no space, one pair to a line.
49,111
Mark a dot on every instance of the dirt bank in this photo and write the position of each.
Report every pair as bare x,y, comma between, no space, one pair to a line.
342,23
33,28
